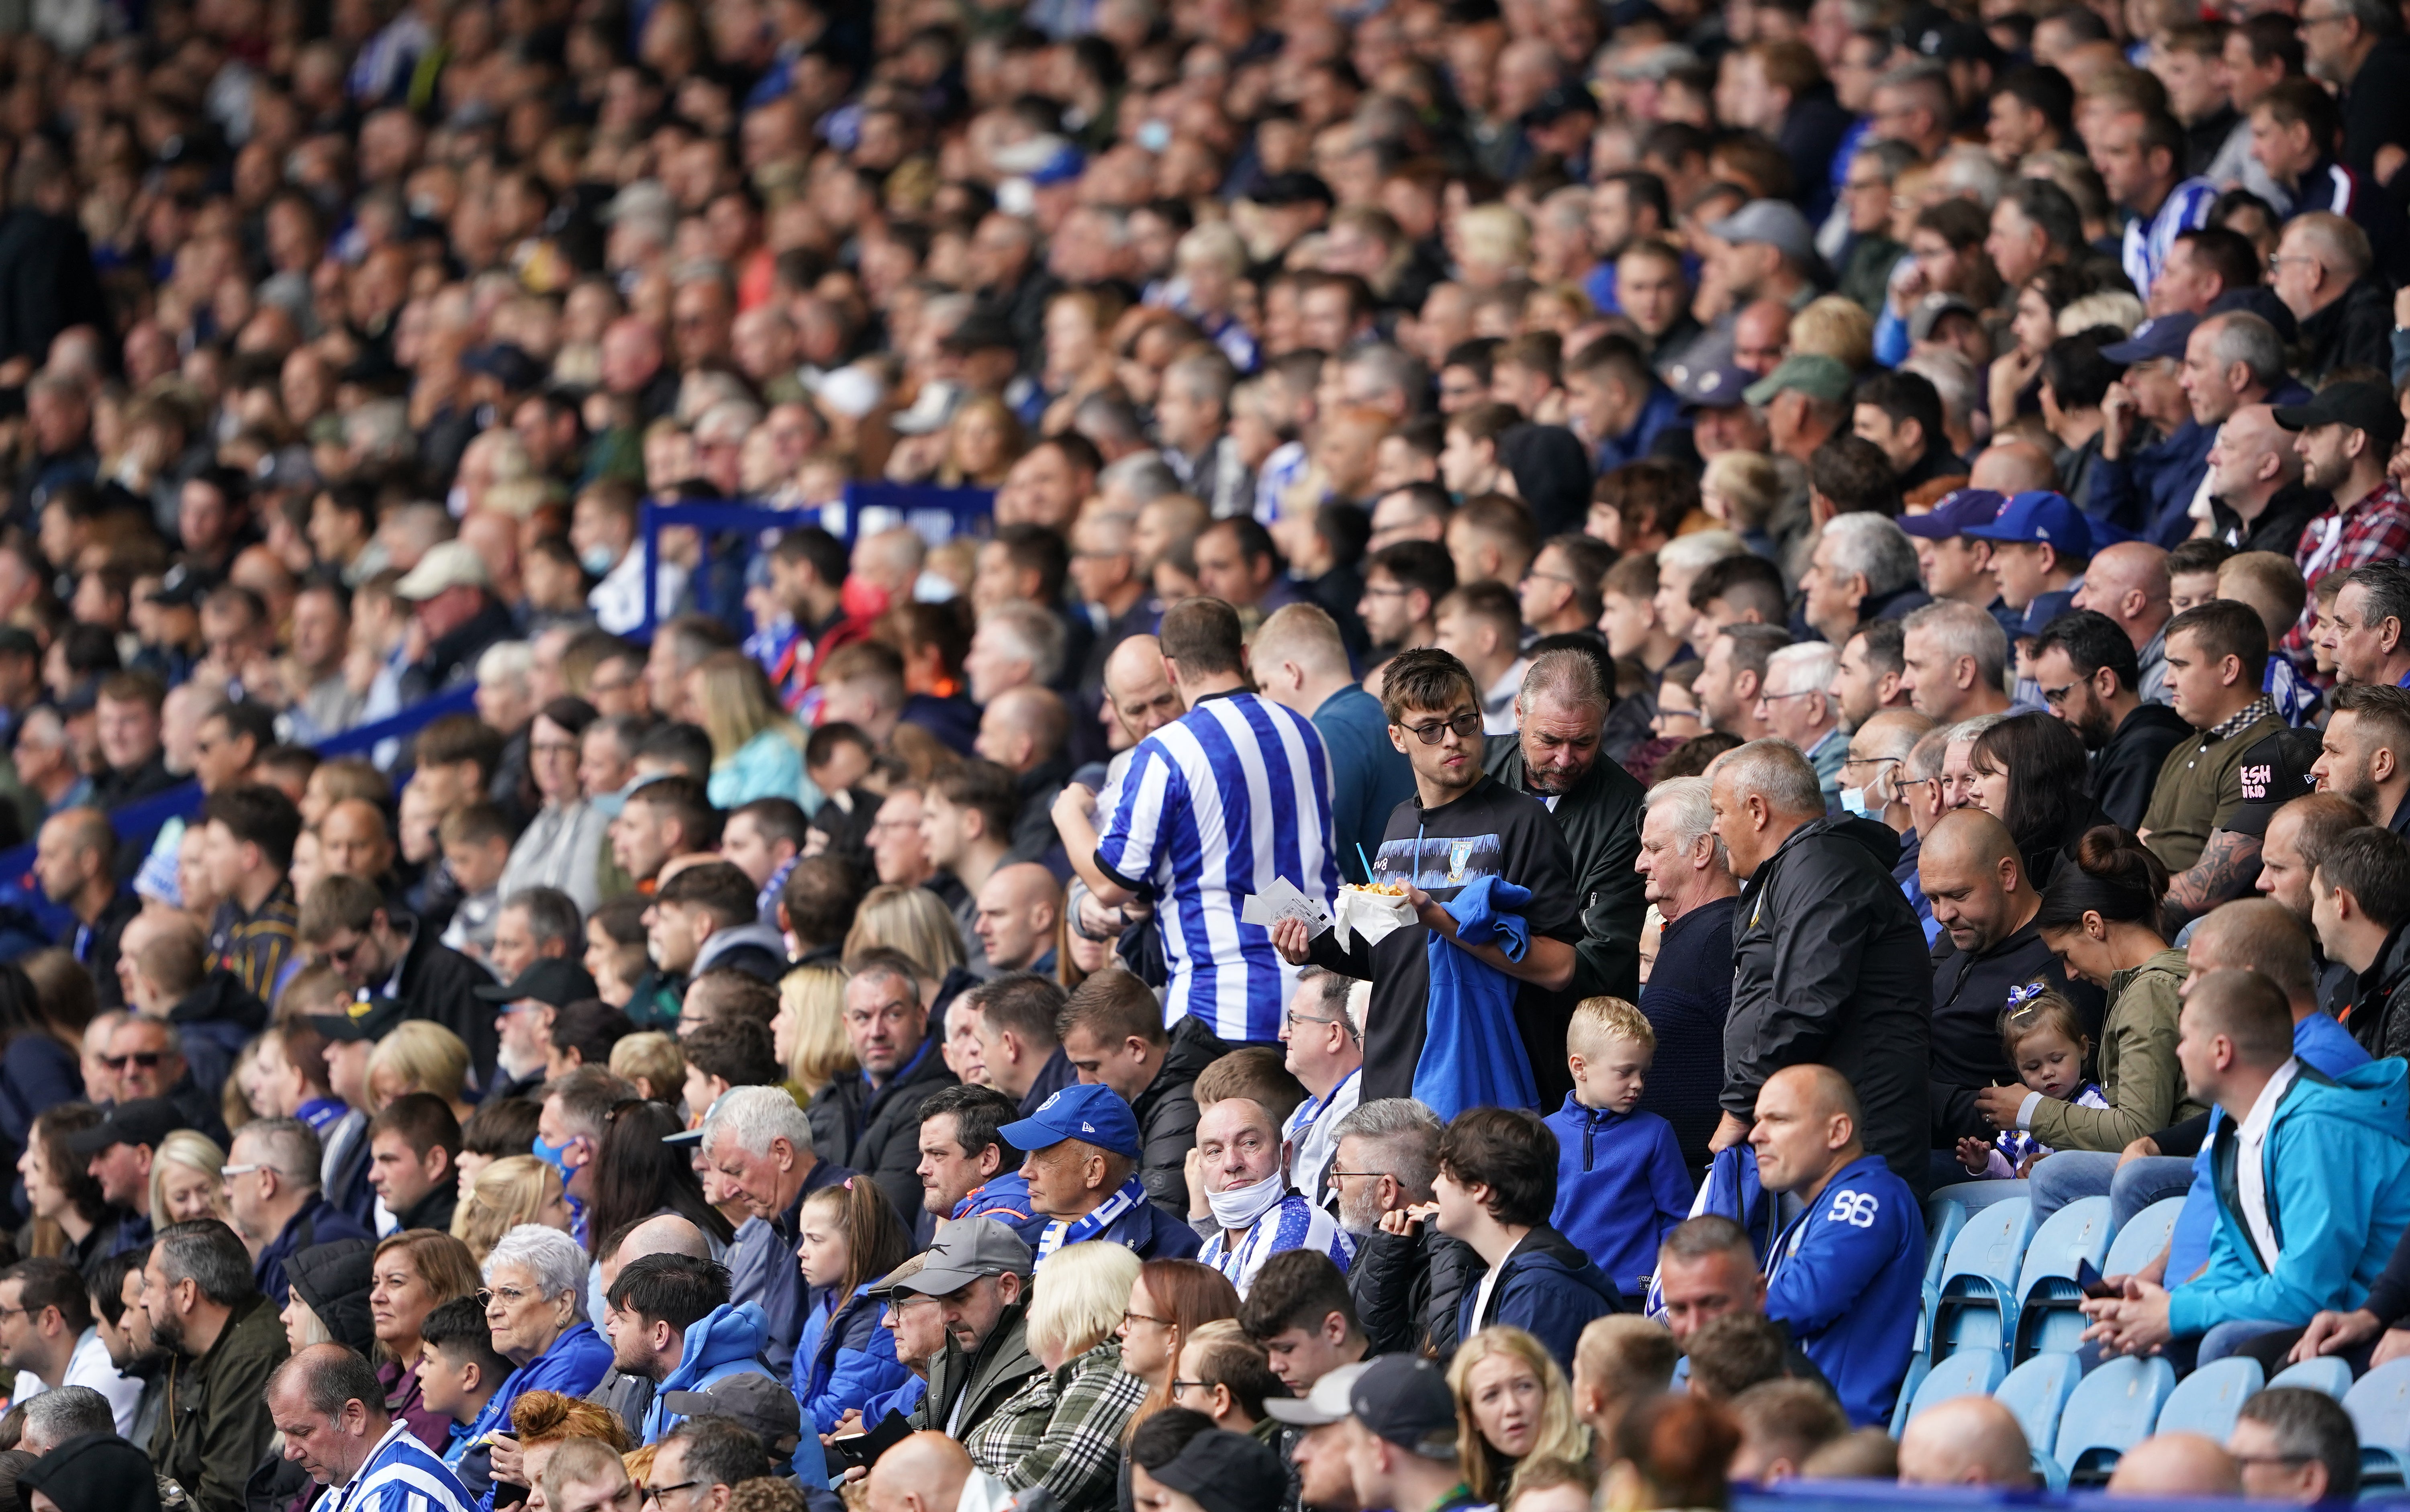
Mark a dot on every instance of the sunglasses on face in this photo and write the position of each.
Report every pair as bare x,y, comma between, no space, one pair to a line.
146,1059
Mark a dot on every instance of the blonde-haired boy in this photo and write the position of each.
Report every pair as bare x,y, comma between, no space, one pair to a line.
1620,1181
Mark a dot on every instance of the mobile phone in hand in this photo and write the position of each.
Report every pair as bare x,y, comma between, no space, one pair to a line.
2090,1282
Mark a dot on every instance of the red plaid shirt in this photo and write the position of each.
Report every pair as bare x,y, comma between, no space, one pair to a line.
2377,528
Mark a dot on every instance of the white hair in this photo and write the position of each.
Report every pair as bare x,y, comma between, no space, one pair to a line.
1698,550
1952,377
506,662
1807,667
552,1259
755,1116
1036,636
1688,805
1974,172
1777,772
1962,629
1871,546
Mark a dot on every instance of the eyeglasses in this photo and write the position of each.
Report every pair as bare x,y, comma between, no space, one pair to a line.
1467,725
1129,1317
228,1172
344,958
1292,1018
1334,1175
146,1059
654,1493
509,1296
1848,762
2055,696
1180,1386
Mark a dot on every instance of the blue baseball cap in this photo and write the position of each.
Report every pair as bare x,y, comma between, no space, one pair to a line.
1721,387
1959,510
1088,1111
2159,337
2040,516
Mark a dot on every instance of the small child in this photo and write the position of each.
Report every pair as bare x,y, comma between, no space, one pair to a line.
477,847
849,1237
458,1371
2047,1044
1620,1183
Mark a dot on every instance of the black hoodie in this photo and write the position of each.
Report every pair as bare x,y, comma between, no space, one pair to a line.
1830,967
1167,1113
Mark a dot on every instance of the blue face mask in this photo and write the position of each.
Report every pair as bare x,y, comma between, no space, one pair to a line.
598,561
555,1155
1854,800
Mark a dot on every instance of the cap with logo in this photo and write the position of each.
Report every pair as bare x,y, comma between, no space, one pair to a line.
1086,1110
1723,386
1958,509
1331,1399
2275,772
448,564
1404,1399
140,1121
363,1018
2039,516
1226,1471
2157,339
965,1250
554,979
1811,373
1930,309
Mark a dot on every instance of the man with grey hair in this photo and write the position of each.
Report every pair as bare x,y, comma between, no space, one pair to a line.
1018,645
1958,657
760,1143
61,1413
225,1341
2294,1445
272,1193
327,1402
1554,755
1686,878
1879,782
1829,964
1793,704
1192,415
1407,1283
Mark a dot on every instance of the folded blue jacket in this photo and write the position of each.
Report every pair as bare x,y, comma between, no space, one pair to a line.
1472,1054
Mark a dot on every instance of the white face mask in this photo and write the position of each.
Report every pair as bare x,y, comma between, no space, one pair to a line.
598,561
1241,1206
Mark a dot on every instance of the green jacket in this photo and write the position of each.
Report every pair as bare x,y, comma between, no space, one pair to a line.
1600,821
213,1426
2139,1073
980,1382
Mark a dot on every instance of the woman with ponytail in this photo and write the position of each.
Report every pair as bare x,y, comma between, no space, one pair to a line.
2102,917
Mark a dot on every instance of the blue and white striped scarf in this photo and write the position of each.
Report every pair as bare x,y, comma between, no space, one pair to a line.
1091,1226
1295,1223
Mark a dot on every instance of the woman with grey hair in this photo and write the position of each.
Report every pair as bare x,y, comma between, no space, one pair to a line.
535,1304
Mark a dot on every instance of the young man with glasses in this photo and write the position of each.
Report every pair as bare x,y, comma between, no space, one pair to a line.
2090,676
1462,826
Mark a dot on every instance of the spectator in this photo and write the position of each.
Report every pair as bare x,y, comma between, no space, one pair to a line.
1327,1056
871,1121
1406,1283
1253,1213
313,1395
1062,1430
760,1145
2079,657
2216,655
347,920
1620,1181
200,1302
1690,986
1968,1441
1113,1034
2294,1445
1496,1191
1782,1424
271,1186
983,1270
60,1345
1956,657
969,1168
1082,1175
2176,1465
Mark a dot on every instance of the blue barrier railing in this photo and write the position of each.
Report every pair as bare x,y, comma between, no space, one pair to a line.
137,825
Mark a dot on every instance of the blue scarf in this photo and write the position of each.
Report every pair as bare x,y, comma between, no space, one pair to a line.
1080,1231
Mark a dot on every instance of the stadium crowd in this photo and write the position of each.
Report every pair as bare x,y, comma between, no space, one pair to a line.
1618,655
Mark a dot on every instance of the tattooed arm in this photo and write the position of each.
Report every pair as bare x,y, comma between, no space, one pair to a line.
2228,864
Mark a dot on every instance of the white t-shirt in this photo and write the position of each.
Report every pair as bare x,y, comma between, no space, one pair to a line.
90,1365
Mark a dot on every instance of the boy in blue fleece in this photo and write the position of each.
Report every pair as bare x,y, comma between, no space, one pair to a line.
1620,1183
1848,1276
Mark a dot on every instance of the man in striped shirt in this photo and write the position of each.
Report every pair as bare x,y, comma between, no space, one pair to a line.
2140,158
1213,807
327,1402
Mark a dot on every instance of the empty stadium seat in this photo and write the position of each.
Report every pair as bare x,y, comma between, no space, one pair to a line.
1978,1305
2144,1235
2109,1412
2047,1319
1970,1372
2379,1405
1944,1216
2036,1392
2208,1400
2328,1374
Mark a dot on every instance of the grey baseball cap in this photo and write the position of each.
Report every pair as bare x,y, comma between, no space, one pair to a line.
965,1250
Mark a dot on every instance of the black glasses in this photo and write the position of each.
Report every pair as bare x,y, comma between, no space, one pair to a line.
1467,725
654,1493
1180,1386
147,1059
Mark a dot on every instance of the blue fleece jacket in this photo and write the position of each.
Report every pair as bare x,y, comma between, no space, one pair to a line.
1005,1197
1474,1055
1847,1277
845,1358
1621,1188
1548,1288
2337,1164
727,1340
576,1361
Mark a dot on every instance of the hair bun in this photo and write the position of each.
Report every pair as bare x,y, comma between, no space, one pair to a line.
2114,855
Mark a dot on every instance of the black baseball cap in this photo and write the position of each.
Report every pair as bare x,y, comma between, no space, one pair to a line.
140,1121
1295,187
1404,1399
184,586
2275,772
1226,1472
554,979
362,1018
2368,407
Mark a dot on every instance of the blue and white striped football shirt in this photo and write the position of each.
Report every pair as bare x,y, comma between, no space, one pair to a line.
1214,805
402,1475
2147,244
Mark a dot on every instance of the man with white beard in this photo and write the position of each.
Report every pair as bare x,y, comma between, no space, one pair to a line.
1387,1154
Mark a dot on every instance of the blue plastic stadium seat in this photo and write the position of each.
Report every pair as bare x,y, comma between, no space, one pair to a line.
2048,1321
2111,1412
2209,1400
1970,1373
2327,1373
2144,1235
1918,1365
1978,1306
2036,1392
2379,1405
1944,1217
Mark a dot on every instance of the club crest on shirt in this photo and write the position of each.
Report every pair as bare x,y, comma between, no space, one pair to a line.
1459,853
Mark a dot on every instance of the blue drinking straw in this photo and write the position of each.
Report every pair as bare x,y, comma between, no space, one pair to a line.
1368,864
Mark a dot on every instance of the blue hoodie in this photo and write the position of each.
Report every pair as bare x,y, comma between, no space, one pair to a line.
1847,1277
1621,1186
846,1359
576,1361
2337,1159
1548,1288
727,1340
1005,1197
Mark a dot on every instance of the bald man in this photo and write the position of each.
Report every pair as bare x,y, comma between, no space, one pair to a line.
2012,467
1848,1276
929,1473
1966,1441
1024,732
2128,583
1301,664
1875,770
1019,906
2175,1465
75,860
354,841
1973,877
1138,696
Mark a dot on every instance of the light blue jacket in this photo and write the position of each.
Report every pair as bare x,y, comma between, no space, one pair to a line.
769,766
2337,1161
845,1358
727,1340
